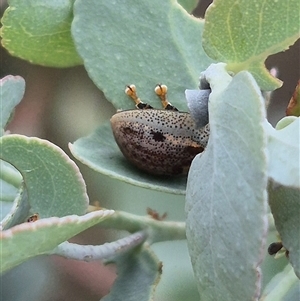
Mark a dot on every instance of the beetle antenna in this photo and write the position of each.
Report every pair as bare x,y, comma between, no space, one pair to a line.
161,92
130,90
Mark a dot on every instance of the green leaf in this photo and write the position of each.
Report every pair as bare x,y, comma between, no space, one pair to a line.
10,182
284,149
52,181
13,207
11,92
282,123
100,152
12,89
107,252
281,286
244,33
177,280
7,193
285,207
19,212
10,175
188,5
39,32
226,192
141,43
4,208
27,240
138,275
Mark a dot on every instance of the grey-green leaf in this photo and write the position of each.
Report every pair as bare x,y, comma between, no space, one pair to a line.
226,196
10,182
19,212
285,206
52,181
138,275
5,207
244,33
12,89
27,240
100,152
283,286
284,149
188,5
142,43
39,32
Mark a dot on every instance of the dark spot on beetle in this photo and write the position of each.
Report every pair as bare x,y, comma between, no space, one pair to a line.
158,136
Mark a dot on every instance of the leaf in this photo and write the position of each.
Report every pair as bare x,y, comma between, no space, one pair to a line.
52,181
107,252
281,286
27,240
39,32
10,175
7,193
226,192
197,101
12,198
177,280
19,212
285,207
138,275
188,5
142,43
11,92
4,208
100,152
244,33
12,89
284,149
10,182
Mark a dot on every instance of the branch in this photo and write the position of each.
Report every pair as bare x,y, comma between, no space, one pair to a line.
157,230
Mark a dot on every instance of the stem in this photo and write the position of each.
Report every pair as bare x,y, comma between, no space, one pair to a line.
107,251
157,230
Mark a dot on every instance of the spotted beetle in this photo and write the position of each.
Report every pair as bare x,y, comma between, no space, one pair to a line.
158,141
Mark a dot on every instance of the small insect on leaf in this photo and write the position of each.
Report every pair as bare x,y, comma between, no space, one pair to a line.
274,248
160,142
277,249
155,215
33,218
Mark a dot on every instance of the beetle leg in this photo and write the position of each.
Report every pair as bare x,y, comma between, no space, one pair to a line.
130,90
161,92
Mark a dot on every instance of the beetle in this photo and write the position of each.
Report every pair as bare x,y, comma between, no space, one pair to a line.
33,218
158,141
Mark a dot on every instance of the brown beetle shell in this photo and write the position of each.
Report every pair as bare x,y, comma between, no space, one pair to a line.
159,142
